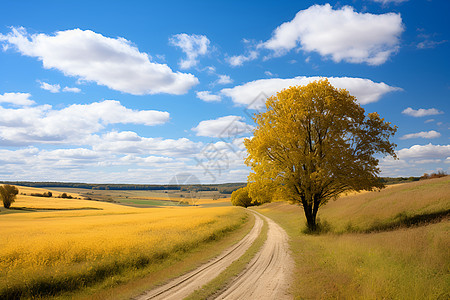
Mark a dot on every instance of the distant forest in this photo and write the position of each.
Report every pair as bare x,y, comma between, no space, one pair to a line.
225,188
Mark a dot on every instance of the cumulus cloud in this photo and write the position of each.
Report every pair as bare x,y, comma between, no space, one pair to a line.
224,79
52,88
56,88
342,34
18,99
131,143
421,112
423,134
415,160
239,60
192,45
71,89
429,151
111,62
73,124
365,90
223,127
207,96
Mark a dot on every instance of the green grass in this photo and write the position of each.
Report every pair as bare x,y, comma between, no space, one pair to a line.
220,282
395,262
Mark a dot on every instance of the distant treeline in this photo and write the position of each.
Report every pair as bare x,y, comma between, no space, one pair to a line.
395,180
226,188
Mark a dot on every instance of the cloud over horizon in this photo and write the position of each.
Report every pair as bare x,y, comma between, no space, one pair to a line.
73,124
365,90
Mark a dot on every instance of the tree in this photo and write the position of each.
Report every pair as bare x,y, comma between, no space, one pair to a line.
315,142
240,197
8,194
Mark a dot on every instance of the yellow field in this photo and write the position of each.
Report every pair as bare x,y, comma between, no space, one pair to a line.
50,251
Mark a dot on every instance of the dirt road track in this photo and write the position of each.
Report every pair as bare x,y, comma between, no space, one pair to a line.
268,275
185,285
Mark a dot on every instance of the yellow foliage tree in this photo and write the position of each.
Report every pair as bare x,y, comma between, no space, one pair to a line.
8,194
315,142
240,197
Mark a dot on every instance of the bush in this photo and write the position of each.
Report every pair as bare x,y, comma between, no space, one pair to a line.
65,196
439,174
45,194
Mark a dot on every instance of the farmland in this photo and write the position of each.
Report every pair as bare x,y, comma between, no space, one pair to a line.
54,245
392,244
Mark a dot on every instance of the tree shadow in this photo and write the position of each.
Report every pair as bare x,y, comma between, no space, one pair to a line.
402,220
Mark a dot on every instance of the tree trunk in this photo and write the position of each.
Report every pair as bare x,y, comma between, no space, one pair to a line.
310,215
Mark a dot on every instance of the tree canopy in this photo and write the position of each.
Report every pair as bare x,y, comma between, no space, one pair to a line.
240,197
313,143
8,194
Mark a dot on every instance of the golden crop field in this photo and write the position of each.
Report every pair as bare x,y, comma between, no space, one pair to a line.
45,252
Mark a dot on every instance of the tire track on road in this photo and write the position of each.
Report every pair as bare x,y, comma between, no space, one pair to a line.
268,275
185,285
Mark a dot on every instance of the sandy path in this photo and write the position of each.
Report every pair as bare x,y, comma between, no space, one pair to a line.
185,285
268,275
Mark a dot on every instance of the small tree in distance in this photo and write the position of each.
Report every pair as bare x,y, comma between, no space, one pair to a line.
313,143
8,194
240,197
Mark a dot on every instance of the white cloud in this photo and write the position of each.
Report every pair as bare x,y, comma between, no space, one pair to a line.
423,134
71,89
415,161
429,151
429,44
131,143
384,2
421,112
146,160
427,161
56,88
90,56
193,45
238,60
223,127
52,88
18,99
207,96
224,79
365,90
342,34
73,124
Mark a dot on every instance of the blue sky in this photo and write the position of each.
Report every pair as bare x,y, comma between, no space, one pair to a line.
146,91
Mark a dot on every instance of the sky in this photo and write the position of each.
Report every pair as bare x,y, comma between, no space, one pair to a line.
158,92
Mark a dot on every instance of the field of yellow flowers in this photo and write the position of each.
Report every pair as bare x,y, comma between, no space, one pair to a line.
43,253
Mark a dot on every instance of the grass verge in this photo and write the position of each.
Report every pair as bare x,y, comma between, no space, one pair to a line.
408,263
219,283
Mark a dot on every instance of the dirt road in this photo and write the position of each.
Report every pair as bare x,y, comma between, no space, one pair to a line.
266,276
185,285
